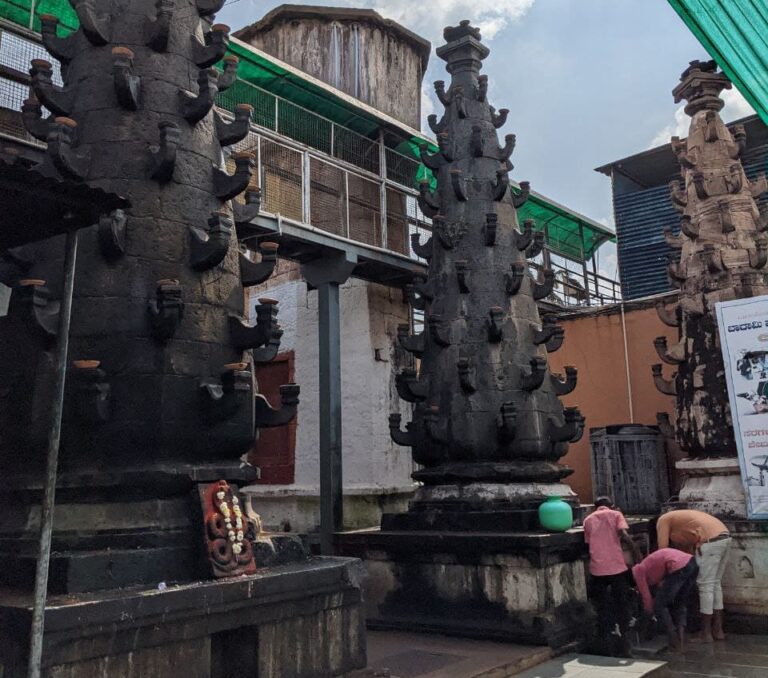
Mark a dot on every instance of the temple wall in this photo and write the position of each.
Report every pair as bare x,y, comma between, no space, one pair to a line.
594,343
376,472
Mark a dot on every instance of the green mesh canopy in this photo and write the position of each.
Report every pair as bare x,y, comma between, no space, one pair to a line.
735,33
567,232
20,12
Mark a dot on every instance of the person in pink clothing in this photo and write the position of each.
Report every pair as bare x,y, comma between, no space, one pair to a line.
605,530
673,574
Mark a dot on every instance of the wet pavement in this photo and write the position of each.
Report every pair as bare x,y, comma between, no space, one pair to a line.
736,657
394,654
414,655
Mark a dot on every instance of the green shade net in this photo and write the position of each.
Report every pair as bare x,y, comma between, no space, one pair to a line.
735,33
20,11
566,232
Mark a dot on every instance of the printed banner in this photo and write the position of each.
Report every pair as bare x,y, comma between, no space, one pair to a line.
743,325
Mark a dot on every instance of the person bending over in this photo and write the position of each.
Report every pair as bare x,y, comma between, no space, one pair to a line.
673,573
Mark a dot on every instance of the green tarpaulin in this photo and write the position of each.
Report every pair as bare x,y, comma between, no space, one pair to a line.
735,33
20,12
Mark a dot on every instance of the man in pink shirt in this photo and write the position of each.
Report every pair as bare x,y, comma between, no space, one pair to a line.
673,573
604,531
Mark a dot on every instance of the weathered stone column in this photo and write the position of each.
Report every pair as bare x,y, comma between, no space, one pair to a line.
722,256
488,427
722,245
161,395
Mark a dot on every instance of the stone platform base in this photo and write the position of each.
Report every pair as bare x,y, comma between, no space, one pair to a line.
745,583
713,486
524,588
296,508
302,620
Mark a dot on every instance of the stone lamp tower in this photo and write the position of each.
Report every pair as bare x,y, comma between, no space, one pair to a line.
488,427
723,255
161,394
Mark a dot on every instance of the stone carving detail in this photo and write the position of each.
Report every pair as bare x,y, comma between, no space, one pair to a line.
722,257
486,408
226,531
136,116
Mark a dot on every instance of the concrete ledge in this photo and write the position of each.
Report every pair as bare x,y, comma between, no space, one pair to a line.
155,629
296,508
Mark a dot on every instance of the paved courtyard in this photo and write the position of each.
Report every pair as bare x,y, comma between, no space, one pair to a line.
737,657
412,655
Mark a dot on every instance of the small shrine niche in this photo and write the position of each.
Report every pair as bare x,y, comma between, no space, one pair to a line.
227,543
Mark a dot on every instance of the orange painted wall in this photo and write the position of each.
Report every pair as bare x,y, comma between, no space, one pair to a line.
594,344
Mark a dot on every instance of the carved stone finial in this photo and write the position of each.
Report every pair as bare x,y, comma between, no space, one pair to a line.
700,85
463,30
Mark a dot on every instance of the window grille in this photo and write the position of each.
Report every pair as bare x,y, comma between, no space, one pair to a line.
327,197
281,180
364,210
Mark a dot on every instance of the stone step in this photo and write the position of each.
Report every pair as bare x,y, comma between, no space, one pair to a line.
591,666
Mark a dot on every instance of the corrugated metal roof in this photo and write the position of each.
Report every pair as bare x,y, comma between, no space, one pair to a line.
735,33
641,216
640,220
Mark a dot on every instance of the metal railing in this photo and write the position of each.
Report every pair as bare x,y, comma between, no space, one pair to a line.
574,288
273,113
310,169
311,188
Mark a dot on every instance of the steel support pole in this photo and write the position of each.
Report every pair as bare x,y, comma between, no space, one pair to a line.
584,269
326,275
49,492
329,324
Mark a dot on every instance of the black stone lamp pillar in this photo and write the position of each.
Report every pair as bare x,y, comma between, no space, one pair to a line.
158,299
488,428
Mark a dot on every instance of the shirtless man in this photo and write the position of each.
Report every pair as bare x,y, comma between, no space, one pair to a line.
708,539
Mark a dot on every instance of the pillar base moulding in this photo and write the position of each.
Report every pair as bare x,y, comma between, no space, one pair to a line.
713,485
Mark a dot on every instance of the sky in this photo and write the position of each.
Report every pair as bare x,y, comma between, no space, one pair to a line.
586,81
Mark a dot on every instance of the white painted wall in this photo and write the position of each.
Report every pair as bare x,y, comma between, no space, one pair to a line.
5,297
372,464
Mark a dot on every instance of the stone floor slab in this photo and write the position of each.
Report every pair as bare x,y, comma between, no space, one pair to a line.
737,657
394,654
592,666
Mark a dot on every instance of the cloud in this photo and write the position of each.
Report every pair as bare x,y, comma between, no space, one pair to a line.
736,106
429,18
608,261
679,128
606,221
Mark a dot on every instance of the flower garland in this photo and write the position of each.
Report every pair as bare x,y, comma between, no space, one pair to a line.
236,532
